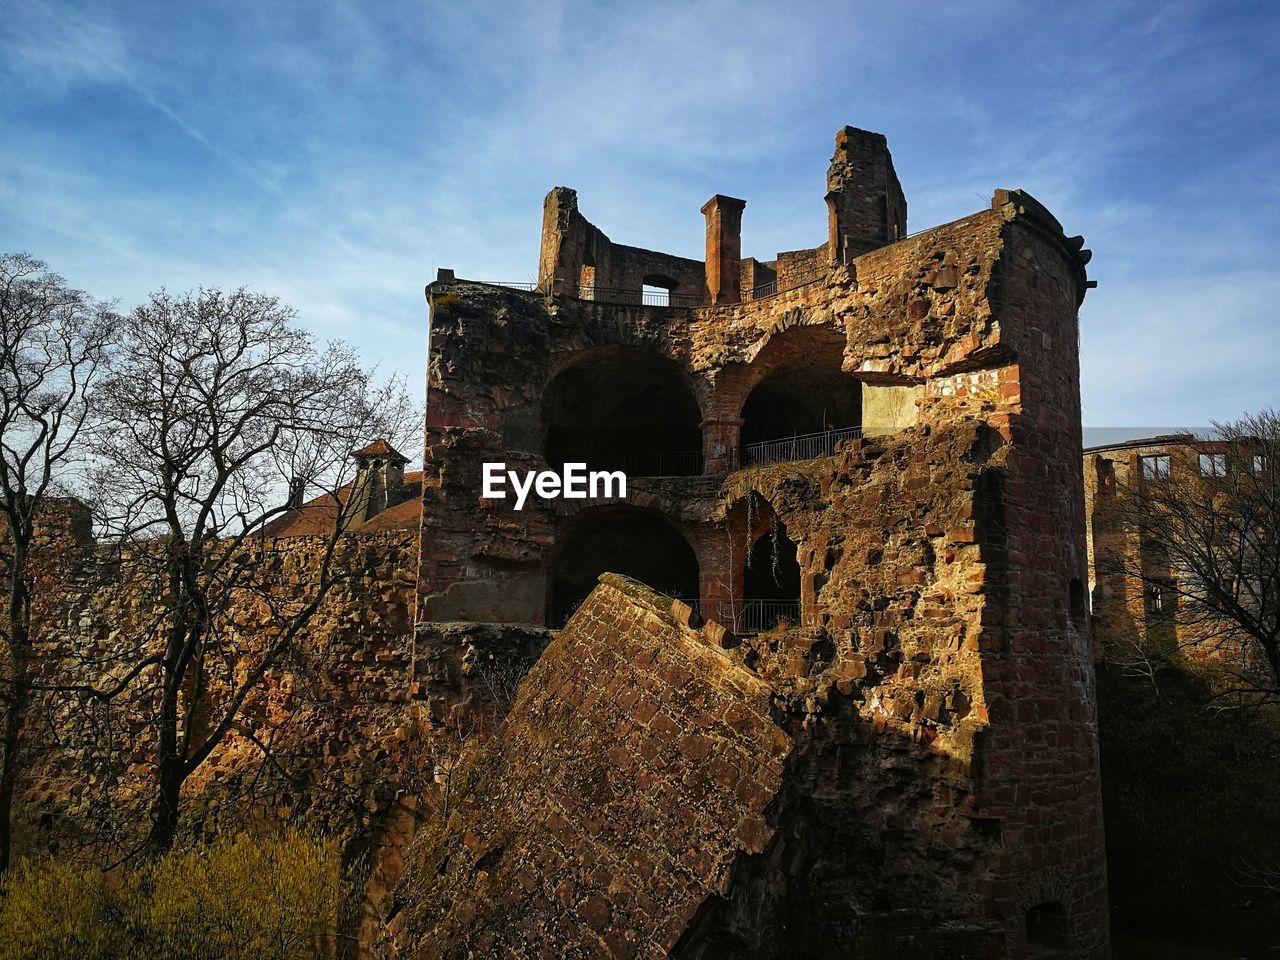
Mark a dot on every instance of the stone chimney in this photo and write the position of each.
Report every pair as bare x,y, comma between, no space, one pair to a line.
297,493
866,208
379,480
724,248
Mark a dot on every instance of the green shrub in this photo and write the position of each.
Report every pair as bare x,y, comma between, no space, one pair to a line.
238,897
56,909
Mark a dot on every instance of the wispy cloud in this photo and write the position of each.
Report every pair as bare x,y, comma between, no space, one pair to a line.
337,154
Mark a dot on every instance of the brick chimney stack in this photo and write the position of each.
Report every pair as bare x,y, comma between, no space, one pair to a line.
724,248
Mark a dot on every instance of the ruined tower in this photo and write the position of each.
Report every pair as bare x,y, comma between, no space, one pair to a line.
821,684
865,204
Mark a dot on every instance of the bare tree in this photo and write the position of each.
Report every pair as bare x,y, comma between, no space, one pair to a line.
1203,535
218,405
54,342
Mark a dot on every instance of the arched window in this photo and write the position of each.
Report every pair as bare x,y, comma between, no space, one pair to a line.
631,541
623,409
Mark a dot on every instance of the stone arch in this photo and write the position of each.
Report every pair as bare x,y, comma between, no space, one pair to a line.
794,386
618,538
797,380
622,408
764,581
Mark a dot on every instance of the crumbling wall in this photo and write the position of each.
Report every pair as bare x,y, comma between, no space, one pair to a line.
635,768
576,254
938,687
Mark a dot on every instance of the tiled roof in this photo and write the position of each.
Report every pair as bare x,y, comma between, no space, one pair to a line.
380,448
316,518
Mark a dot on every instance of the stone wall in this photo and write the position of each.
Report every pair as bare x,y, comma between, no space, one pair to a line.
333,711
794,268
576,254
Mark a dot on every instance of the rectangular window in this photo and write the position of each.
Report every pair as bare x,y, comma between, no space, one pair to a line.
1213,464
652,296
1259,464
1162,596
1155,468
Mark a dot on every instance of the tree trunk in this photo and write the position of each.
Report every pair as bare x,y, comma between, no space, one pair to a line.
171,758
18,693
169,776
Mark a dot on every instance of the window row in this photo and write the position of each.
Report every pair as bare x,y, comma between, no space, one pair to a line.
1157,466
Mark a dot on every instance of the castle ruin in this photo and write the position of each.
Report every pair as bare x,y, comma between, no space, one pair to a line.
821,685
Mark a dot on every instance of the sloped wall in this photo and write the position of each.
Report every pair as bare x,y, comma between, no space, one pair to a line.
636,766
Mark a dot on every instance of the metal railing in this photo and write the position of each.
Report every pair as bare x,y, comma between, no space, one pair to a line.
640,463
595,294
521,285
749,616
803,447
646,298
757,293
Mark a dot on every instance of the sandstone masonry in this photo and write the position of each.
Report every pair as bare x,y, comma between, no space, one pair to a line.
859,465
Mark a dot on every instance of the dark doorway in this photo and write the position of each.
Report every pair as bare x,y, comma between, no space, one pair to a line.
633,542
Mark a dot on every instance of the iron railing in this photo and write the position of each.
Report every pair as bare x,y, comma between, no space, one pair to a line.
758,293
641,463
646,298
803,447
749,616
520,285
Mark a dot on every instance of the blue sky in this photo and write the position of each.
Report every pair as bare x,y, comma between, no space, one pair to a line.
337,153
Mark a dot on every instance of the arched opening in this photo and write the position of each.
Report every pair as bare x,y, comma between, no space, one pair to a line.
633,542
770,582
1047,928
804,403
621,409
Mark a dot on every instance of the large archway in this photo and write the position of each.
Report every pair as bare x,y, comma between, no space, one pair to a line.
623,409
631,541
802,403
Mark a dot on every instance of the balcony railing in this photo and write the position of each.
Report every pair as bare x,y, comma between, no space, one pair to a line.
590,292
517,285
750,616
802,447
641,463
758,293
646,298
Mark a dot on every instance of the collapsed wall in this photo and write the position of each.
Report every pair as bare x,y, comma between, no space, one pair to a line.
637,765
